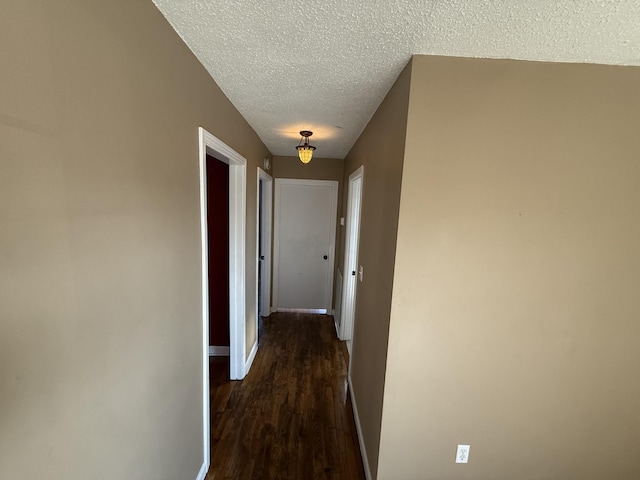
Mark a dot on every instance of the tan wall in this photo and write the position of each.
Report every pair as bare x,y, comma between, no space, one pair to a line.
514,323
100,308
380,149
317,169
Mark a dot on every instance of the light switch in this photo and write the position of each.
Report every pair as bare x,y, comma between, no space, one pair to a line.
361,272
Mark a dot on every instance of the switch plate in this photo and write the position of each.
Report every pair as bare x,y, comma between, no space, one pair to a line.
341,220
462,454
361,272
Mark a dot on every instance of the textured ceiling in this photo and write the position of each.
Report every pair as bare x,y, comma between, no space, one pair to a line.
325,65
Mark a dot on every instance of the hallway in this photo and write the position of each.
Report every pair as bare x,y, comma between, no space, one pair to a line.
291,417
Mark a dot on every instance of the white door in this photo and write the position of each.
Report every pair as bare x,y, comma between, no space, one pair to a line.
264,218
352,242
304,243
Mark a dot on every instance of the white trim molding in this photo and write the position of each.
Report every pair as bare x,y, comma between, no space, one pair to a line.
202,474
356,418
251,358
209,144
337,299
319,311
237,269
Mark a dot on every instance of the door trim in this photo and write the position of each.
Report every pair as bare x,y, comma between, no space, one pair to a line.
209,144
276,234
267,228
215,147
351,247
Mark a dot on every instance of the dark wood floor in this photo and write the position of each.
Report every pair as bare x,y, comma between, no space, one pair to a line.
291,417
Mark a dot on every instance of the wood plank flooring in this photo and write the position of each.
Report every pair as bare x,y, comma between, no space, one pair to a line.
291,417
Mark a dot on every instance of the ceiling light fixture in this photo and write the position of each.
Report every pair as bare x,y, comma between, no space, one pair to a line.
305,151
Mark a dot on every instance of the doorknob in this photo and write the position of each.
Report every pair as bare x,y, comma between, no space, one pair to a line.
325,257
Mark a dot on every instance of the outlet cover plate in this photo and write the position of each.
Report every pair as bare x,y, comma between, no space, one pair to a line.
462,454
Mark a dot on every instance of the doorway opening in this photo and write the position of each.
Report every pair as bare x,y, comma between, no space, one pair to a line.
264,228
352,242
217,187
237,165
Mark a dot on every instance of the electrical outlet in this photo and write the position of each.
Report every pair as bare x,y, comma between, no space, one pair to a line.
462,454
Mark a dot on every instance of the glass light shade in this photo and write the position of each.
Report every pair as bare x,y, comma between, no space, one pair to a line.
305,152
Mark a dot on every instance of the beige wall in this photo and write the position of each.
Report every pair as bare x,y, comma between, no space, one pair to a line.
514,323
100,308
380,149
317,169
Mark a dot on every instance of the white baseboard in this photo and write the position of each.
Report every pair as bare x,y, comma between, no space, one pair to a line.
203,471
317,311
252,356
215,351
356,417
337,295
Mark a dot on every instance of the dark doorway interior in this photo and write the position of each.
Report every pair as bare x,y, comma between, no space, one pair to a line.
218,235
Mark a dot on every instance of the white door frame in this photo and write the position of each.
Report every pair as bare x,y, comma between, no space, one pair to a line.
351,246
276,241
209,144
265,201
